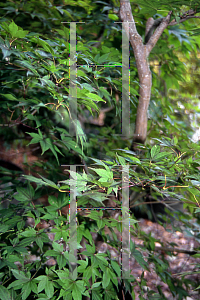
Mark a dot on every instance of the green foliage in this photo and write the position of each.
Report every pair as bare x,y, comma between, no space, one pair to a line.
165,173
35,103
19,244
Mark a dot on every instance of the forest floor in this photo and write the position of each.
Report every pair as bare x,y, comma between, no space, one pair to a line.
180,263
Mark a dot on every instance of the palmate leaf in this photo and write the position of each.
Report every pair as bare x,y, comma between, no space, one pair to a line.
106,175
47,144
45,283
36,138
16,32
42,181
78,289
155,150
88,87
88,99
70,144
20,275
138,257
96,196
44,45
27,65
106,278
181,34
24,194
27,288
76,181
4,293
89,104
80,135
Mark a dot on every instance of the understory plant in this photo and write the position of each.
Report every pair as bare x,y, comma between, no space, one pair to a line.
36,239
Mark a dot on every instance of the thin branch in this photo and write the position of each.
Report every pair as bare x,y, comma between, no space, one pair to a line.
158,32
185,16
166,249
174,22
160,24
